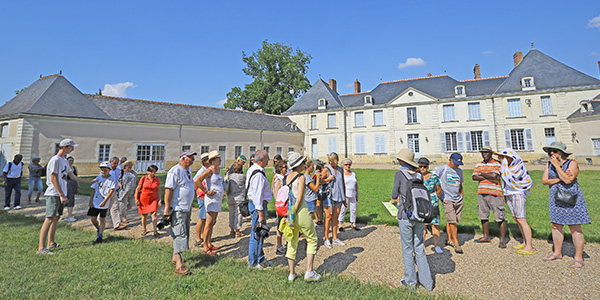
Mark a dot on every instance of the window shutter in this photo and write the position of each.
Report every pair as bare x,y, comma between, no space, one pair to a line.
528,139
507,138
442,142
460,142
468,140
486,138
360,144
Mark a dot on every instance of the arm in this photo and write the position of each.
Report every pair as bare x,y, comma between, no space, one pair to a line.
158,193
315,185
356,188
168,196
92,198
198,181
107,197
326,177
61,194
395,193
569,176
276,186
79,179
546,180
301,184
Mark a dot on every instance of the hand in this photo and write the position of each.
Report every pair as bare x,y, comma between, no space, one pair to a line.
91,205
345,204
211,193
555,161
159,204
103,203
394,201
137,202
569,173
166,212
64,199
94,180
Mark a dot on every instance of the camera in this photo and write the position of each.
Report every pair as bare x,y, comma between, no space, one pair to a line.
262,232
165,221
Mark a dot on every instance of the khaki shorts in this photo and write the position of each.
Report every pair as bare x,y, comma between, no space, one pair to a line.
453,211
54,207
487,203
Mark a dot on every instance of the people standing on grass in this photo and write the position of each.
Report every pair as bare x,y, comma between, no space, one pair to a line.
334,175
432,183
147,198
11,179
451,179
213,199
259,194
490,196
179,195
516,185
351,185
200,198
312,187
281,169
72,189
411,232
115,211
561,175
125,195
102,194
35,179
236,194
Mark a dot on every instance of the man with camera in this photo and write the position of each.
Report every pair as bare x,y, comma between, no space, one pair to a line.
259,194
179,195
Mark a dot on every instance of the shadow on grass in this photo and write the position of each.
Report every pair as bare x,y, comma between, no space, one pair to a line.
339,262
199,260
365,219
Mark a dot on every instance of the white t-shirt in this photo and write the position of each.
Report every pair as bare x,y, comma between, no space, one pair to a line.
350,181
60,166
101,189
15,170
116,174
180,181
451,180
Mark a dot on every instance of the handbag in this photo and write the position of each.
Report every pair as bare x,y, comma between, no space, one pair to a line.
565,197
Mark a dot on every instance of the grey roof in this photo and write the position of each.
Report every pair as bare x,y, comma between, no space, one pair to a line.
484,86
595,107
309,101
354,100
52,96
435,86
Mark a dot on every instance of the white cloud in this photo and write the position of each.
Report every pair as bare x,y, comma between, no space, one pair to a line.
594,22
412,62
221,102
117,89
349,85
594,53
488,52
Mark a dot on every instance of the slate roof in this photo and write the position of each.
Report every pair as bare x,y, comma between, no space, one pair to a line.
436,86
595,106
483,86
309,101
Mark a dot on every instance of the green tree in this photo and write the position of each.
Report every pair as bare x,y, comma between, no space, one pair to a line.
279,74
18,91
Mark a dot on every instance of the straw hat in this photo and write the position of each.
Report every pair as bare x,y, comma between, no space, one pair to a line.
407,156
213,154
486,149
295,159
556,145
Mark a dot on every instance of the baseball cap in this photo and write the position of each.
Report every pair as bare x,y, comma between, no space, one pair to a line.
423,161
186,153
104,164
242,157
67,142
456,158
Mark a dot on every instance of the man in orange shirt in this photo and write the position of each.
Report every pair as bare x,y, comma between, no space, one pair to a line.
489,195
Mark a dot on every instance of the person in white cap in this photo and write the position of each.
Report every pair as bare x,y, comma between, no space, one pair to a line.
100,198
201,206
56,194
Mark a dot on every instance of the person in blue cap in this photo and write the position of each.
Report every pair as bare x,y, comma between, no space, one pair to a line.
451,179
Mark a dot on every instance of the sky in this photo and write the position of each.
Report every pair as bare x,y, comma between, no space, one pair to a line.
191,51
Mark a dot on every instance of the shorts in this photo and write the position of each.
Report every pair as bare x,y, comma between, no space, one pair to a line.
453,211
487,203
180,231
201,209
54,207
328,202
312,205
516,204
94,212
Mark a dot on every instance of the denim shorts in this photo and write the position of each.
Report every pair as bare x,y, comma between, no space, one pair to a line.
201,209
312,205
328,202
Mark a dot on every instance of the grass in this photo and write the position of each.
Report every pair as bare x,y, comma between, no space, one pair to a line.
125,268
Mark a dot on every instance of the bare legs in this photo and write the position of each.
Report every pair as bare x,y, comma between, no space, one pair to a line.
435,231
199,230
558,237
526,233
331,218
452,231
47,232
211,219
309,264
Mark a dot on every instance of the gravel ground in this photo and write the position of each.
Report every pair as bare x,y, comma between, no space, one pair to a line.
374,255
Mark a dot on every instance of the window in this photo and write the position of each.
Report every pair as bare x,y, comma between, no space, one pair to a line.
313,148
103,152
519,139
359,140
451,141
476,140
550,136
56,148
527,84
290,149
411,115
252,150
474,111
546,105
238,151
149,152
379,144
459,91
514,107
378,118
359,120
313,122
368,100
332,144
331,121
4,130
223,153
267,148
596,146
204,149
413,143
186,147
322,103
279,150
449,112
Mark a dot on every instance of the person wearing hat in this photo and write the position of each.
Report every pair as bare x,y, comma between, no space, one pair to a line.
35,179
240,160
213,198
561,173
179,195
102,191
489,195
451,179
411,232
58,170
432,183
11,179
200,194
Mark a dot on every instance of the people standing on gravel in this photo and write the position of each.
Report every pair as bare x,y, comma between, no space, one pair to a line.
115,212
333,173
259,194
411,232
240,160
432,183
302,221
319,166
489,195
126,197
516,185
102,194
312,187
351,185
213,199
11,179
72,189
236,194
281,168
179,195
561,174
35,179
147,198
200,198
451,179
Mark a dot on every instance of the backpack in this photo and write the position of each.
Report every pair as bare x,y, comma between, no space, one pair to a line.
416,200
283,196
244,210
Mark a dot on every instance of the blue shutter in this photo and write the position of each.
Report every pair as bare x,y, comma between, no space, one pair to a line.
486,138
360,144
528,139
507,138
443,142
468,141
460,142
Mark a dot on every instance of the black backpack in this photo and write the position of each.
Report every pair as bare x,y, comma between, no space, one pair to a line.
416,199
243,207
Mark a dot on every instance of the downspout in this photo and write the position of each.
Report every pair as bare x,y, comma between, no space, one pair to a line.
345,134
180,138
495,124
261,141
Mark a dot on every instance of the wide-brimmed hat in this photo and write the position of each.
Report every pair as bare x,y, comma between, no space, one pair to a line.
486,149
213,154
407,156
203,156
295,159
556,145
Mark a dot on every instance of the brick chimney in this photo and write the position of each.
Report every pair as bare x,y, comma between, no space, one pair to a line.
517,58
477,71
599,64
333,84
428,74
356,86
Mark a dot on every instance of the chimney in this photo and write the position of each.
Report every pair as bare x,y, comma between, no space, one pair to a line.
517,58
477,71
356,86
428,74
333,84
260,111
599,64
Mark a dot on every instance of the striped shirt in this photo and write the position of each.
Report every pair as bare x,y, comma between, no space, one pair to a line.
487,187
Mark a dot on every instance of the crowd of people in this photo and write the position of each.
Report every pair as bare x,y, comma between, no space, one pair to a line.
317,195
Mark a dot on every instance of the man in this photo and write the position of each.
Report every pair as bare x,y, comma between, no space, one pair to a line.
489,195
259,194
201,207
179,194
451,179
11,179
115,212
56,194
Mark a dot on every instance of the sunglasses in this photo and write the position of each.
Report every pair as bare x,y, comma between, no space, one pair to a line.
347,164
423,167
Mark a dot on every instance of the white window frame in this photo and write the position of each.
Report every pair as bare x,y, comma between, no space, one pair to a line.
474,111
451,141
252,151
322,103
368,100
378,118
546,102
550,135
153,156
412,140
267,148
331,118
202,150
186,147
379,142
411,115
460,91
4,130
362,119
106,156
519,139
223,152
527,83
514,108
596,146
360,144
332,144
313,122
290,149
448,110
279,150
236,152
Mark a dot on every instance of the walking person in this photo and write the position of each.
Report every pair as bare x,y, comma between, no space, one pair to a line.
432,183
489,195
451,179
200,198
351,185
126,196
259,194
281,169
236,194
147,198
72,189
561,175
213,199
35,179
516,185
11,179
102,193
312,187
411,232
333,173
115,211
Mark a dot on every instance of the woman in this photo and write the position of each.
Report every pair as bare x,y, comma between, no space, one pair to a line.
432,183
35,179
302,221
281,169
312,187
561,173
236,192
72,189
351,195
126,192
319,166
213,198
333,173
516,184
147,195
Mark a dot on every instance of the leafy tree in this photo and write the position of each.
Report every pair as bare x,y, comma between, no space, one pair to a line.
279,74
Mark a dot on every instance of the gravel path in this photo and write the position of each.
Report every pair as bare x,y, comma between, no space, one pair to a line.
373,254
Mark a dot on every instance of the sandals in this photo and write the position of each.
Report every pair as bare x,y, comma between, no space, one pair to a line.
523,252
552,257
209,252
182,270
483,240
575,262
518,246
239,234
144,232
214,248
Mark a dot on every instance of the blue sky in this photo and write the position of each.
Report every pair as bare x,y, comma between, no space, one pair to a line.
190,52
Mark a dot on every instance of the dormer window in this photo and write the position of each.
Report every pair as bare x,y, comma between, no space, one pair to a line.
459,91
322,103
368,100
527,84
586,107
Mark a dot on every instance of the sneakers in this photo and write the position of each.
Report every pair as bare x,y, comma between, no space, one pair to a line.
44,251
98,240
291,277
7,208
338,242
257,266
312,276
319,223
281,251
438,250
18,207
406,284
71,219
458,249
327,244
342,229
265,263
55,245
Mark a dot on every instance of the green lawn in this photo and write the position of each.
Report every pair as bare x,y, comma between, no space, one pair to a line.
125,268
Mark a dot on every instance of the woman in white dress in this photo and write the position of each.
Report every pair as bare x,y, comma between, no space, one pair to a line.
213,198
